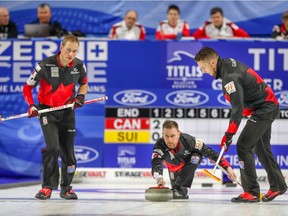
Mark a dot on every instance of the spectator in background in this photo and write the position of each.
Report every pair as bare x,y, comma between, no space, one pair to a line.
280,32
8,29
44,15
219,27
173,27
128,29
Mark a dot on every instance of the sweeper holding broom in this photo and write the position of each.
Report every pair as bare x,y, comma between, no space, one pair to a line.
181,154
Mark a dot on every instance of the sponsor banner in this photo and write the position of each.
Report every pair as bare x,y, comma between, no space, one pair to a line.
140,156
176,80
279,151
172,98
19,57
137,175
88,152
133,136
128,155
134,97
95,173
141,175
127,123
162,80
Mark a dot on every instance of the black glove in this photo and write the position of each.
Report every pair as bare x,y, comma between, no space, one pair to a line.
32,111
226,141
78,101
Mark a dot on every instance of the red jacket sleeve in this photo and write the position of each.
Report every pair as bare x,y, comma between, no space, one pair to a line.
142,33
186,30
27,92
237,31
200,33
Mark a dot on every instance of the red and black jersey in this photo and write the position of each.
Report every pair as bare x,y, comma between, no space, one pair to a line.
245,90
227,29
166,31
57,83
174,160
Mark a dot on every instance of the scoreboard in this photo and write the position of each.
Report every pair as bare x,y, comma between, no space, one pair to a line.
143,125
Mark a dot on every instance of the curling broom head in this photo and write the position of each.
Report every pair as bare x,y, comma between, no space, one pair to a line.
206,172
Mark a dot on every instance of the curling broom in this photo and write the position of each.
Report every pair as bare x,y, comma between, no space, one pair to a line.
212,173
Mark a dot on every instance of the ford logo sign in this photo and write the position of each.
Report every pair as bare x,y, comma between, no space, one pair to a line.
187,98
134,97
282,98
222,100
85,154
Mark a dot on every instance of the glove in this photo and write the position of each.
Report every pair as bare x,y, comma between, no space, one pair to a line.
161,182
159,179
32,111
78,101
226,141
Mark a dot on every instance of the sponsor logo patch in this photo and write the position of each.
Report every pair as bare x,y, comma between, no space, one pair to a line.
71,169
75,71
230,87
54,72
44,120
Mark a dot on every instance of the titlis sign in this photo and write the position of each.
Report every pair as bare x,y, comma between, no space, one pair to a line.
182,71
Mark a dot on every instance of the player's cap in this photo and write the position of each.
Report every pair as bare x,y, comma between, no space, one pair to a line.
285,15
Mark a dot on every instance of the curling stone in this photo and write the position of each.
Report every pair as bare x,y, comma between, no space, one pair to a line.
158,194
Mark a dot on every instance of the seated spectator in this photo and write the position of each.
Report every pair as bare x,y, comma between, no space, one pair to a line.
128,29
8,29
280,32
219,27
44,15
173,27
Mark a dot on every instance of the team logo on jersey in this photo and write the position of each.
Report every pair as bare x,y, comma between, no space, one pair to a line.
195,159
230,87
44,120
155,155
54,72
198,144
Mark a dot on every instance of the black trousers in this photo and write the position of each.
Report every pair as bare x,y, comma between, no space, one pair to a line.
255,137
59,131
183,179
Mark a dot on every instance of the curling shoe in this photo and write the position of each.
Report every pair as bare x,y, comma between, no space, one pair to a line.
177,195
246,197
270,195
44,193
70,194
